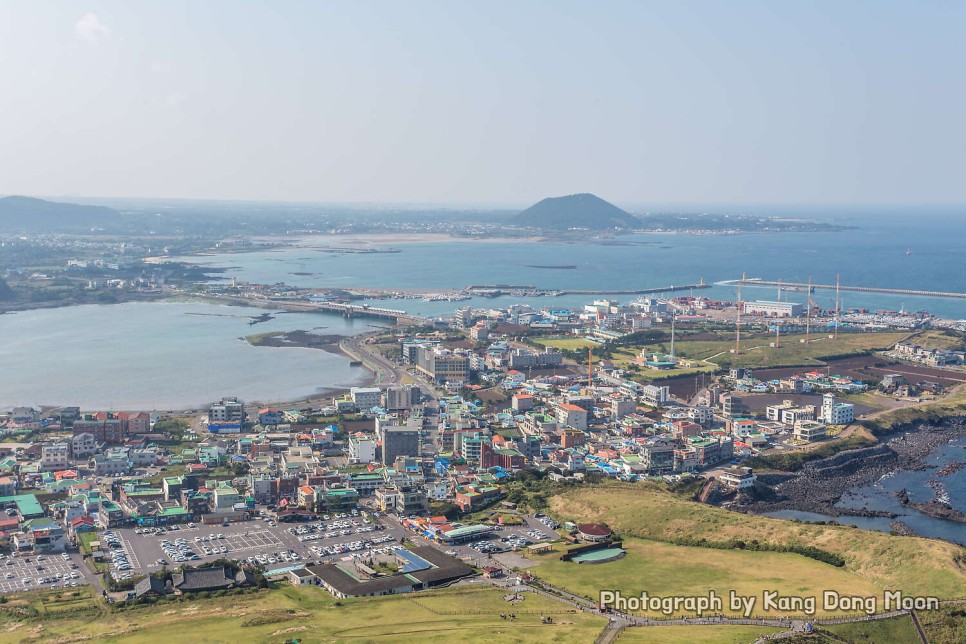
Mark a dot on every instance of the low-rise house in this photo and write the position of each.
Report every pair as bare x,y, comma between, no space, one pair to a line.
41,535
809,431
269,416
303,577
421,568
150,586
192,580
738,477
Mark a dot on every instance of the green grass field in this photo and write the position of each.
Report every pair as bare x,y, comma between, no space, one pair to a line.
756,352
899,630
665,570
940,339
694,634
465,614
914,565
566,343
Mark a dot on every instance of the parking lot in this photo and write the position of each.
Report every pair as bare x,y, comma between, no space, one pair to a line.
501,543
41,571
269,544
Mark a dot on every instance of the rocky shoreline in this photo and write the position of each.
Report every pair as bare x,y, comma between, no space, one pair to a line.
303,339
820,484
937,508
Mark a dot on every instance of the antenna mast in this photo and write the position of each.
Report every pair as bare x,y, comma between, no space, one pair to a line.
738,318
808,308
836,334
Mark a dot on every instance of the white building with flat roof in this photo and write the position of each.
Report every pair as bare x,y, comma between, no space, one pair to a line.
365,398
836,413
361,450
774,309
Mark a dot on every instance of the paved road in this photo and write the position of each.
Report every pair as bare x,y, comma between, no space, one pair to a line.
387,373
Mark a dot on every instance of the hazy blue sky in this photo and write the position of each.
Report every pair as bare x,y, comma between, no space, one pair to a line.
500,102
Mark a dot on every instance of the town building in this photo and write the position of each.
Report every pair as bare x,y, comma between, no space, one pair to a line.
55,457
836,413
522,402
788,413
399,441
421,568
773,309
572,416
443,365
365,398
524,359
227,410
732,405
106,428
738,477
809,431
401,398
270,417
655,395
361,449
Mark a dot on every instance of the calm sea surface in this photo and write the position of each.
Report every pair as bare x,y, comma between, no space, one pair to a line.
874,254
162,356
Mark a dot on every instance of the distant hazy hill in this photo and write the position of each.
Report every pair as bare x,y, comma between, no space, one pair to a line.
27,213
575,211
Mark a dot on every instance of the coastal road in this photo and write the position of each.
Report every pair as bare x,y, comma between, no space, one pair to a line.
387,373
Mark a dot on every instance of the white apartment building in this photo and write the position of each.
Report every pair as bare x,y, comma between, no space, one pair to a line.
366,398
836,413
361,450
701,414
654,395
55,457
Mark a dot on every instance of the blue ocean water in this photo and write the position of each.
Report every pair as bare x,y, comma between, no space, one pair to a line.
164,355
920,251
880,495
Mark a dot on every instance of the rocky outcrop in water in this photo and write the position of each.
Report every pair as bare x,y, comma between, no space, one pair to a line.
821,484
938,507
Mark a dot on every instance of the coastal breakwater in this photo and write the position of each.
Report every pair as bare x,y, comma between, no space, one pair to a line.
843,287
497,289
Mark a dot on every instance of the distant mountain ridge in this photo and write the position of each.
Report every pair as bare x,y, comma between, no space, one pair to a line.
575,211
30,214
